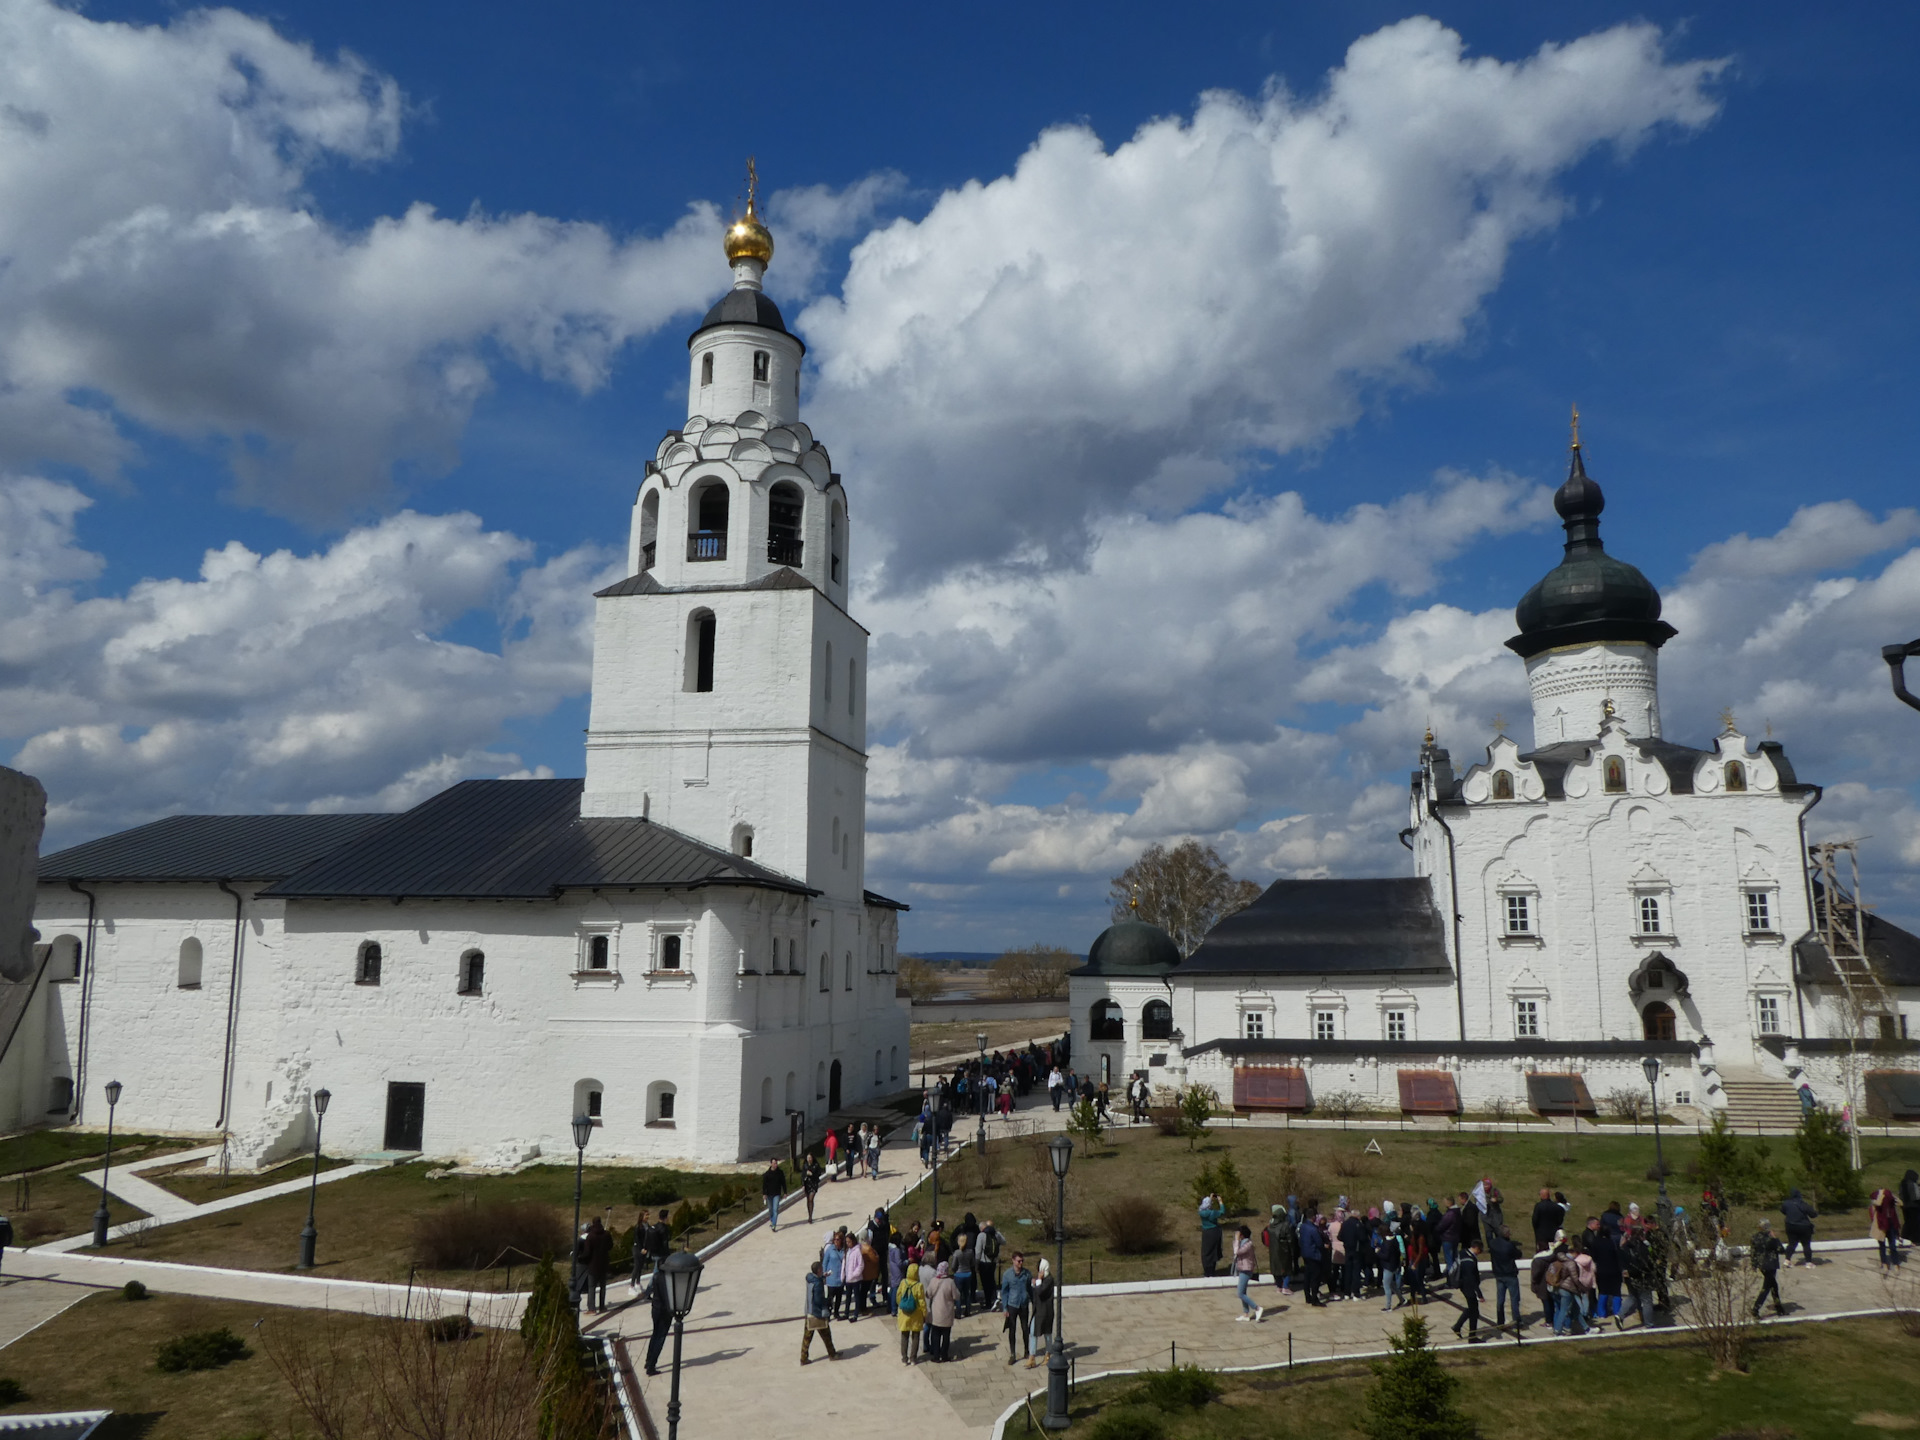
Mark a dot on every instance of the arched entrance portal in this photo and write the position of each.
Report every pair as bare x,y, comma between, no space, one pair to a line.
1658,1020
833,1083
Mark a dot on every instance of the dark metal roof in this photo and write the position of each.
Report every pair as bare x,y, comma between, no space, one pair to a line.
785,578
743,305
210,847
1322,927
1131,947
881,902
1285,1048
1590,595
519,839
1894,953
1679,761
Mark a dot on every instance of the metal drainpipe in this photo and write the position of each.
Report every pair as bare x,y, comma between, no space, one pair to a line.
233,992
1806,880
86,1008
1453,886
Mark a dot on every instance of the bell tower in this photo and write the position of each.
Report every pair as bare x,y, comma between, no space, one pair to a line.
729,681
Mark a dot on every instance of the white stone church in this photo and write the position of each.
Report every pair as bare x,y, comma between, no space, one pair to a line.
1603,896
679,945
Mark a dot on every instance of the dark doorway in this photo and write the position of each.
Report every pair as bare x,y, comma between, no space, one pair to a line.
406,1115
833,1088
1658,1020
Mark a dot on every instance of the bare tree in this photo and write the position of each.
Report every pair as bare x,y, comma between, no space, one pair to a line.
1186,891
1719,1291
1033,972
919,980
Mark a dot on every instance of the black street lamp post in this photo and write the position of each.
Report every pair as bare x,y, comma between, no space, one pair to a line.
582,1132
100,1217
1651,1068
1060,1153
980,1143
1896,657
681,1272
309,1235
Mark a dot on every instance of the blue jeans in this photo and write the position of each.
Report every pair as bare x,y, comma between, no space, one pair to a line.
1448,1249
1389,1285
1566,1313
1505,1287
1246,1301
773,1212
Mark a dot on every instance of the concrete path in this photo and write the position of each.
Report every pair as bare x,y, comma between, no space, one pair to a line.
27,1305
163,1207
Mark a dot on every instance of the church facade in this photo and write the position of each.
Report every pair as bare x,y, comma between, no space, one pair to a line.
679,946
1576,906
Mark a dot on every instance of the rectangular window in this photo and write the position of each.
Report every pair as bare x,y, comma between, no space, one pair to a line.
1396,1024
1254,1025
1323,1025
666,1104
1770,1015
1519,914
599,953
669,952
593,1105
1759,912
1650,915
1526,1019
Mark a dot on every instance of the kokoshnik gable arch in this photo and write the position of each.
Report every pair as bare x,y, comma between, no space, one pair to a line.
1575,907
680,945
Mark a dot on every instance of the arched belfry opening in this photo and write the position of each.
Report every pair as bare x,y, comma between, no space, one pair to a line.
786,510
707,539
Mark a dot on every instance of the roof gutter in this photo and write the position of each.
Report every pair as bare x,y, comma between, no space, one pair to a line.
1453,886
86,1007
1806,880
233,994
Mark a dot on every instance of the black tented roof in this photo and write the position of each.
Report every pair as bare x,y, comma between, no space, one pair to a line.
1324,927
210,847
518,839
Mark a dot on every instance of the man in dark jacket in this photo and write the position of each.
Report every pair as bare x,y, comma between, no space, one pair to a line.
1353,1244
1766,1259
662,1323
1641,1278
1546,1220
1466,1277
1503,1256
599,1250
1447,1232
1799,1216
1313,1250
773,1186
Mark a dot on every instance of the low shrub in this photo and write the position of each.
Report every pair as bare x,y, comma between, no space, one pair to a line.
200,1350
450,1327
1132,1224
1131,1422
1183,1387
133,1290
654,1187
480,1236
12,1392
1169,1120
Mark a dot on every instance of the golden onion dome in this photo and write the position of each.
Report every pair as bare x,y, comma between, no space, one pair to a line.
748,239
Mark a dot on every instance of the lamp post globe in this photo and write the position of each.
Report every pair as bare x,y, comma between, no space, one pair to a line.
1650,1067
1060,1156
680,1272
321,1099
101,1219
582,1132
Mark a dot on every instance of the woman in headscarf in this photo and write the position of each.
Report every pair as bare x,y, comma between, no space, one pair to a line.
1283,1246
1042,1297
943,1303
1883,1224
910,1301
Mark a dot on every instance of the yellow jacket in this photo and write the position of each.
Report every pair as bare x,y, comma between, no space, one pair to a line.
916,1318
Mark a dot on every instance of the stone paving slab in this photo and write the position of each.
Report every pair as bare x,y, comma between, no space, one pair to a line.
26,1305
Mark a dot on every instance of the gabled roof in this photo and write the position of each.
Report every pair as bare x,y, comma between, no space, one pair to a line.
1324,927
785,578
518,839
209,847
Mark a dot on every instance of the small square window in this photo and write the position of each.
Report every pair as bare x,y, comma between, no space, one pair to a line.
1650,915
1324,1025
1519,914
1396,1024
1254,1025
1526,1019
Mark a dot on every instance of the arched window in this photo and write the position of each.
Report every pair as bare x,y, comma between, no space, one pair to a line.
836,541
847,968
706,368
766,1100
660,1103
820,1081
1616,775
1502,785
792,1093
853,680
586,1099
826,672
190,960
760,363
649,529
1657,1020
669,952
366,966
600,952
473,972
786,509
1156,1020
708,509
1736,777
1107,1021
63,958
701,627
743,841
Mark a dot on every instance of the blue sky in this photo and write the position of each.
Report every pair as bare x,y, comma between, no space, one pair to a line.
1720,272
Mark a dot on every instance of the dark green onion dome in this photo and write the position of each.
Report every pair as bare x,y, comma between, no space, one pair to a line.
1589,596
1131,947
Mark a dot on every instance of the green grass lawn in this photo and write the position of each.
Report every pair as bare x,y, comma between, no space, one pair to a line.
366,1223
193,1184
37,1149
949,1037
1810,1382
1591,1168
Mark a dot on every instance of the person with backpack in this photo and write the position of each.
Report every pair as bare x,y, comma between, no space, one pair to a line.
988,1246
910,1303
1799,1216
1563,1282
1765,1253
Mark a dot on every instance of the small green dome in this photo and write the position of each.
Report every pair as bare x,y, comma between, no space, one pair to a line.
1132,947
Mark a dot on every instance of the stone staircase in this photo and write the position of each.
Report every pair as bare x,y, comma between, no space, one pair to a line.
1759,1104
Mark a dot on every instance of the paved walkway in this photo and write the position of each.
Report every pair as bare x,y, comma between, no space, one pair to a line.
26,1305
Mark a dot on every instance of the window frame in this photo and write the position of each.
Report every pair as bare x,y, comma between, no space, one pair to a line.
1767,1008
1397,1019
1529,1019
1764,894
1326,1023
363,972
1253,1025
1519,903
471,984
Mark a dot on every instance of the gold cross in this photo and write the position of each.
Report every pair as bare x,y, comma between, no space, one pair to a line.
1576,427
1726,719
1499,724
753,184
